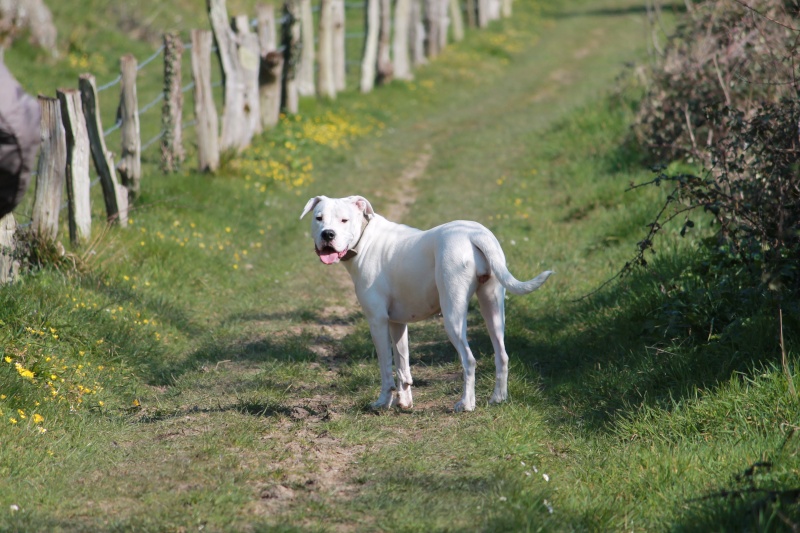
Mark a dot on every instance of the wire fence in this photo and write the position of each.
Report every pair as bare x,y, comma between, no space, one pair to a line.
358,11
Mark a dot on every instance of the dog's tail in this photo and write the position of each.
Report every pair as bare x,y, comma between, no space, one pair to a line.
490,247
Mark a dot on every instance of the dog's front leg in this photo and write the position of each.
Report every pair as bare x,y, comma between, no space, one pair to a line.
379,328
399,334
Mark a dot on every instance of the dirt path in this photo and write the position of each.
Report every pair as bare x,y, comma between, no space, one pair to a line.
300,464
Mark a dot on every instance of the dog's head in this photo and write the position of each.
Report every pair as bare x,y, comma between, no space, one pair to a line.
337,224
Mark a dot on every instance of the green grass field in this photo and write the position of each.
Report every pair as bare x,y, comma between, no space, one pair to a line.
202,370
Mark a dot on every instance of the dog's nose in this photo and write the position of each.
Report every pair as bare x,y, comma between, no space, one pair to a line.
328,235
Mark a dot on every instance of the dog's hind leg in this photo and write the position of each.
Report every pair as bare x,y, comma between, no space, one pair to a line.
454,311
491,296
399,333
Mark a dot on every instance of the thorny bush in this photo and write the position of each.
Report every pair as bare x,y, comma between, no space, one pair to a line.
725,98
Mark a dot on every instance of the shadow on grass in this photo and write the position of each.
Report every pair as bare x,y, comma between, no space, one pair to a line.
639,342
637,9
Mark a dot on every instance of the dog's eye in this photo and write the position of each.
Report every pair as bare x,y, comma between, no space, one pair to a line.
345,221
319,217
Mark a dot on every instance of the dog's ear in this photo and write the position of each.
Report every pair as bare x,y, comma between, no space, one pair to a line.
363,205
311,204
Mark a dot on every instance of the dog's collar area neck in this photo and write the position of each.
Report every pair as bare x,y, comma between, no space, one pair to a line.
353,251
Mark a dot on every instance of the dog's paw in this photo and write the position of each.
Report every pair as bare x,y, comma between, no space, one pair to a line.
403,398
498,398
462,406
384,401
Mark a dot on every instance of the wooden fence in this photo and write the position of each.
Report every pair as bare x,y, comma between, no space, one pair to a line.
265,72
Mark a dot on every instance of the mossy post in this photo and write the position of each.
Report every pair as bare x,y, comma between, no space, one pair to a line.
172,154
115,195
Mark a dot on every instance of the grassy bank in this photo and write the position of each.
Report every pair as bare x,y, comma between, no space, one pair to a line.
203,369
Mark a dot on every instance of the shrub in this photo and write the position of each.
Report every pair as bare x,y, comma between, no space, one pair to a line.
724,97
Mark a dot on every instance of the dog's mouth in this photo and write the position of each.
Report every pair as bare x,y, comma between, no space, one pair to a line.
328,255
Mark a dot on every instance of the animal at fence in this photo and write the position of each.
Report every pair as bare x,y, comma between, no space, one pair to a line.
403,275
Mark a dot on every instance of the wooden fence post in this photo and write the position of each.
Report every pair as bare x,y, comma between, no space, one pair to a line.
483,13
495,9
250,62
50,172
433,27
416,35
385,69
305,67
172,154
265,24
204,110
78,181
114,194
130,164
400,48
290,37
9,265
457,20
472,13
326,86
234,132
270,88
372,21
506,8
271,68
339,40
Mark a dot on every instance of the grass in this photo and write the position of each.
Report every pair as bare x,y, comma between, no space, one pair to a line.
209,372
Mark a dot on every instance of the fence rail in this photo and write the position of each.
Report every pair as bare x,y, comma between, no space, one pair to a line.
267,63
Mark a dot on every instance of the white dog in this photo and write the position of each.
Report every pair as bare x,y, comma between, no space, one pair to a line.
403,275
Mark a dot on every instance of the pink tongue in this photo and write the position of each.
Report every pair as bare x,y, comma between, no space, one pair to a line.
328,258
